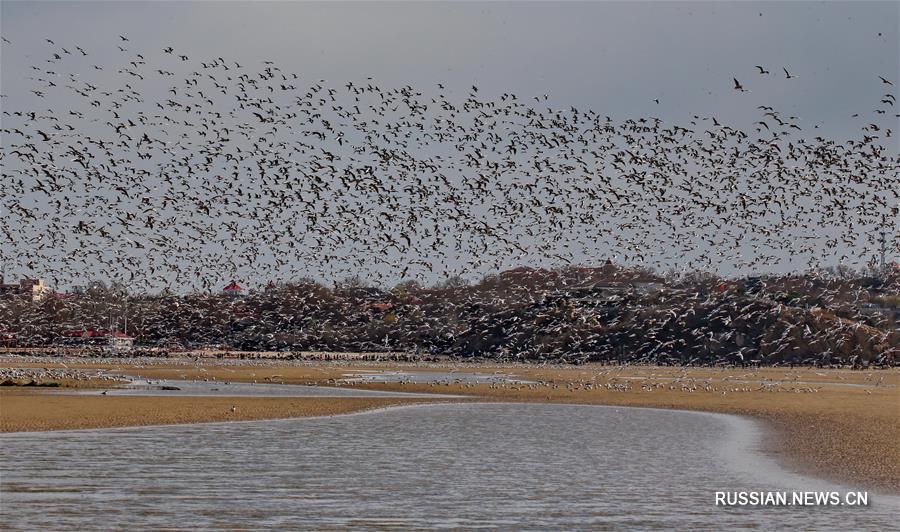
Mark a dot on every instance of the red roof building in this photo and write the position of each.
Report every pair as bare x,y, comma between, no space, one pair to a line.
233,289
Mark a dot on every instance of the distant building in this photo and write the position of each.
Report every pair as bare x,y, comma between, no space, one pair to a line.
233,290
597,293
526,274
30,289
8,338
606,290
113,342
120,343
366,294
647,287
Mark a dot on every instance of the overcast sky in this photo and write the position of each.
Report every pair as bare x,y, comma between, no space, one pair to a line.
614,58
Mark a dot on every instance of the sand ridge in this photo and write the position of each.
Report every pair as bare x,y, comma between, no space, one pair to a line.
40,412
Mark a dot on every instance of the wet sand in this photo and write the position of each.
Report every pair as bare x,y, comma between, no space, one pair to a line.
839,424
39,412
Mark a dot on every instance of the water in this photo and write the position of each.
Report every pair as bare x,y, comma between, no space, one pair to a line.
161,387
422,377
508,466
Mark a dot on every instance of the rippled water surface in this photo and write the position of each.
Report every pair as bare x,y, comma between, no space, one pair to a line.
511,466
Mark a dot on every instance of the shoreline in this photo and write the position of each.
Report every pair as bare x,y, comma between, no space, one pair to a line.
359,412
842,445
845,434
37,413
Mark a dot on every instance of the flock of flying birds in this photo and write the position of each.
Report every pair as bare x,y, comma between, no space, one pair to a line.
164,168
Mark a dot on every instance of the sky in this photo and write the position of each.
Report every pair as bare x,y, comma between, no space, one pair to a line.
617,58
614,57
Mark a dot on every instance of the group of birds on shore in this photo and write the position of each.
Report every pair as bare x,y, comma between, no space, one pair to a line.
614,379
165,169
45,375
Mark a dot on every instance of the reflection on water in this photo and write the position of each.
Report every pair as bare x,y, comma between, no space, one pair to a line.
461,465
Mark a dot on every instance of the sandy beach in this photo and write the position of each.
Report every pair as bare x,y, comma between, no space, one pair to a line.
39,412
835,423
